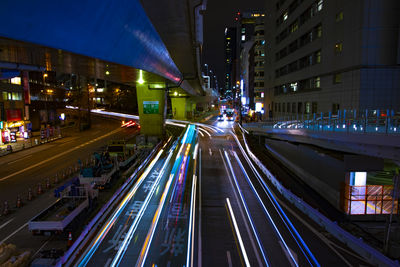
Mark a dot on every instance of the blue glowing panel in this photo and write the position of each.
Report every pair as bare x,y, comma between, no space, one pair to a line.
118,31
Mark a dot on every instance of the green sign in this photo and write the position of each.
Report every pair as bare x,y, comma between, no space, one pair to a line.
150,107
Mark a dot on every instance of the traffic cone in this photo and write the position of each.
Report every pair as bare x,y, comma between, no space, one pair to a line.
30,194
39,189
6,210
19,201
69,239
47,183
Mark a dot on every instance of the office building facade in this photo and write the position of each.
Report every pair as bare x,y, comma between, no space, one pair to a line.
325,56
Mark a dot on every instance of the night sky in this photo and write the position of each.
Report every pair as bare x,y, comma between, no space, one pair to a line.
219,15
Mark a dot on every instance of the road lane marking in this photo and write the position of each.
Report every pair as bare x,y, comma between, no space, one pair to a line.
226,162
37,251
243,249
13,233
54,157
228,255
7,222
11,162
210,151
248,215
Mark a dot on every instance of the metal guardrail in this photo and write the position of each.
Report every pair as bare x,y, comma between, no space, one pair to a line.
350,121
369,253
91,228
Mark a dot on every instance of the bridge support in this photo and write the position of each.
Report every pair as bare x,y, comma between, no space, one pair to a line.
152,112
183,108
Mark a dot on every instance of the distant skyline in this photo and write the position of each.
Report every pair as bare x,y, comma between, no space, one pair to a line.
219,15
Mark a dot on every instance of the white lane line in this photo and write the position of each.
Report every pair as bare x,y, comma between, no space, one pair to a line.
54,157
246,259
11,162
37,251
241,209
7,222
228,255
199,250
13,233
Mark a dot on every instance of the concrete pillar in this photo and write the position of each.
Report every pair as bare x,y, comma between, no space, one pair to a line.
152,110
180,107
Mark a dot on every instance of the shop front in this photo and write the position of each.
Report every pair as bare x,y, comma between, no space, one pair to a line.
15,128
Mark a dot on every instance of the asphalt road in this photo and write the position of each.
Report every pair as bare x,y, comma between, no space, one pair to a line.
25,169
152,224
268,232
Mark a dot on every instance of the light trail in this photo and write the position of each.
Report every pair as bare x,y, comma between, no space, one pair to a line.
290,227
255,232
242,248
100,237
128,237
150,234
189,256
179,164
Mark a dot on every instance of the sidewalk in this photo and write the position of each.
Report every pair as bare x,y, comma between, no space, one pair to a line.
34,141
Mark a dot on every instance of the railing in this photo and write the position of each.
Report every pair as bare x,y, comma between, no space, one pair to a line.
369,199
350,121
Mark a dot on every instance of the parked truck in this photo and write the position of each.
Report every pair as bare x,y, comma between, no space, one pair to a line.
73,199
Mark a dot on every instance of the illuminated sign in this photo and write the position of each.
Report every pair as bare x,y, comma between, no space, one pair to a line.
150,107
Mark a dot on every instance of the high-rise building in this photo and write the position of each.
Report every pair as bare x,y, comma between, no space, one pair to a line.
251,49
230,61
322,56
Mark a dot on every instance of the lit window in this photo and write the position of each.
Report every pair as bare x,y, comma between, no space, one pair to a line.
285,16
263,42
243,37
308,107
318,57
337,78
338,47
262,94
317,82
294,86
262,54
16,80
16,96
243,30
5,96
339,16
319,5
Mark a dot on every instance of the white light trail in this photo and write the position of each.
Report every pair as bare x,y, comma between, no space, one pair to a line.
135,223
242,248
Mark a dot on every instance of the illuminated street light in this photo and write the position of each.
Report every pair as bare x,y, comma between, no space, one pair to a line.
140,81
107,72
175,93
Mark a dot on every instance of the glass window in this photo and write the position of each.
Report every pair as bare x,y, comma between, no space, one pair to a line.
5,95
339,16
317,82
307,108
317,57
285,16
337,78
338,47
320,5
319,31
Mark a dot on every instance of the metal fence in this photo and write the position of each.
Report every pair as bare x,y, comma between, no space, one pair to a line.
355,121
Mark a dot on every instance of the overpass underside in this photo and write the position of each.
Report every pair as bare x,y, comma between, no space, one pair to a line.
119,42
